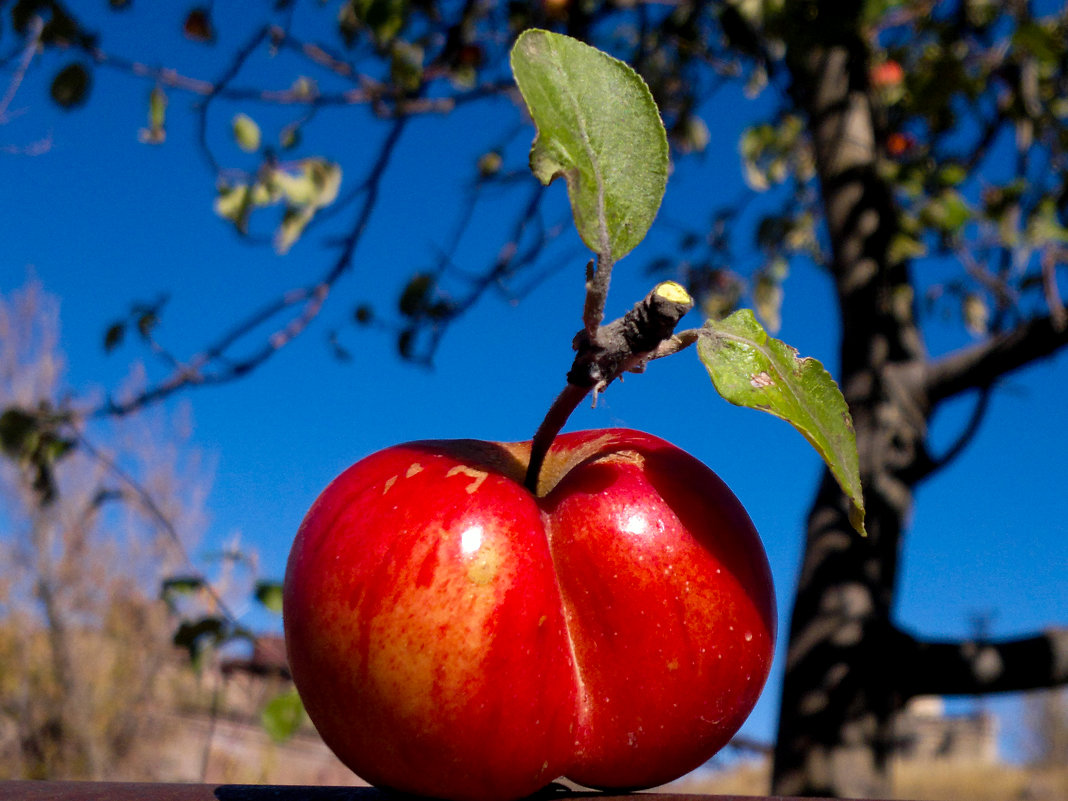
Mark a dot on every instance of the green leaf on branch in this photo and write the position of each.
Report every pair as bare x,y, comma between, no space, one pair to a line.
19,432
269,593
282,715
598,127
70,87
246,133
171,589
749,368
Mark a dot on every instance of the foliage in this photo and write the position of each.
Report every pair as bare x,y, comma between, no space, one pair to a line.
598,127
751,369
82,639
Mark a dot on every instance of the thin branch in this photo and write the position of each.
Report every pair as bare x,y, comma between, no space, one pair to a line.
309,299
929,465
984,363
977,667
240,57
32,41
149,504
1057,313
597,281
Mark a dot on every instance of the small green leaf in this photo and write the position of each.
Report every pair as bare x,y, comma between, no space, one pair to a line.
269,593
197,636
294,220
406,65
282,715
415,298
113,336
234,203
156,132
749,368
489,164
171,589
598,127
289,137
70,87
19,432
246,133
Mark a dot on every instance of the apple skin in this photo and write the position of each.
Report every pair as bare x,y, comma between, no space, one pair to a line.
454,635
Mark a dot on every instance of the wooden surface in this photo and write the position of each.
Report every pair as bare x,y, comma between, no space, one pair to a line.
122,791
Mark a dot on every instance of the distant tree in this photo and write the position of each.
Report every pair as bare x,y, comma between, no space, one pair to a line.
90,528
900,134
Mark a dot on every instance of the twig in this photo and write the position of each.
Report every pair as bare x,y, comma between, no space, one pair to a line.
32,41
309,298
597,281
150,505
627,344
1054,303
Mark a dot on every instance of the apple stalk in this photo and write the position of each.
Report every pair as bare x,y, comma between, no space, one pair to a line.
605,352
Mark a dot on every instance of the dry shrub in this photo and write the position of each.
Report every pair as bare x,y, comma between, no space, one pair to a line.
82,638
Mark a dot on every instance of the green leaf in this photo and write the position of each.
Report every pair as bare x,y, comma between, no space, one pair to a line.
19,432
234,203
197,636
246,133
282,715
415,298
598,127
749,368
406,65
269,593
294,221
70,87
156,132
171,589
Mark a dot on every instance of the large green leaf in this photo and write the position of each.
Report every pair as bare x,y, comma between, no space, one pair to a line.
599,128
750,368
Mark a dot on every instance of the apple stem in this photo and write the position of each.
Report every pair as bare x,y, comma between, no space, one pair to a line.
566,402
628,344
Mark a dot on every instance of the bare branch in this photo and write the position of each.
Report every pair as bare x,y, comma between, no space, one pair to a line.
928,465
148,503
32,41
977,667
984,363
214,365
1050,258
597,281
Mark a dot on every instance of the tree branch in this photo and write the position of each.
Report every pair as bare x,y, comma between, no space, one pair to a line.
198,371
927,465
984,363
977,667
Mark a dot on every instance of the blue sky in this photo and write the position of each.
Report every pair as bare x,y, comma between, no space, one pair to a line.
103,221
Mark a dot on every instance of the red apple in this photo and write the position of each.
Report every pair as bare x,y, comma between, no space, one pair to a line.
454,635
887,74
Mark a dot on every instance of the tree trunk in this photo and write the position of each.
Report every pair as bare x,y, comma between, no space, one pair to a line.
849,669
835,727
